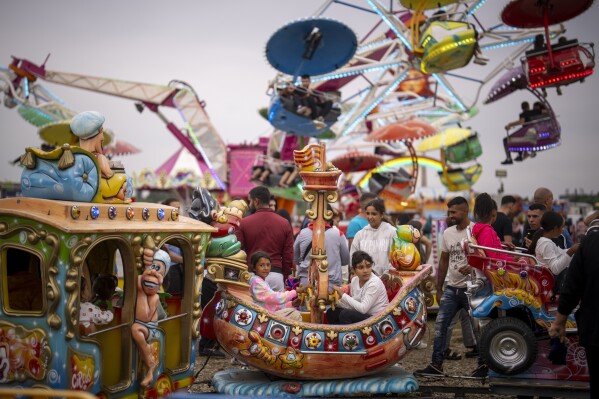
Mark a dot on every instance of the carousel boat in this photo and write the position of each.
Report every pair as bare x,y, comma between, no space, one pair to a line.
311,349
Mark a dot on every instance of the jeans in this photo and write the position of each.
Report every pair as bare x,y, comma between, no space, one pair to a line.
467,333
345,316
452,301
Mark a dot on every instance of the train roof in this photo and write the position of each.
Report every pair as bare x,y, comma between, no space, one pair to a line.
85,217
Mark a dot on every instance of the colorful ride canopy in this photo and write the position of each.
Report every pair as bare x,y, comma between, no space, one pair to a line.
446,138
508,83
539,13
408,130
311,46
357,161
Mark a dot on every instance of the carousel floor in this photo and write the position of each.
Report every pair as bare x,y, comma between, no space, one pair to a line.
256,383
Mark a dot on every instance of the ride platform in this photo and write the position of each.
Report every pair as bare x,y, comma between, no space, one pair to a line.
235,382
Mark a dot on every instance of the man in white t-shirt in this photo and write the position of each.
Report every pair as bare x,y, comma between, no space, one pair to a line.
453,265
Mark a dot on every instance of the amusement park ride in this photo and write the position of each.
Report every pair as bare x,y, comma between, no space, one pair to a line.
63,236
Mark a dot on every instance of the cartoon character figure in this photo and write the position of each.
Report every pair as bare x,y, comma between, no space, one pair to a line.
227,220
146,310
88,127
404,254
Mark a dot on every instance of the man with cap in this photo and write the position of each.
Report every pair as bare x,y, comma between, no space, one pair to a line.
87,126
147,308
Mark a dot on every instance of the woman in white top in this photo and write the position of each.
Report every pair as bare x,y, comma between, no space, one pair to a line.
366,297
377,237
547,252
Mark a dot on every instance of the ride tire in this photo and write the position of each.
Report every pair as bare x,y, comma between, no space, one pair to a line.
508,346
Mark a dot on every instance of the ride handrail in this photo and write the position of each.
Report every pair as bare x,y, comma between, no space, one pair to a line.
126,324
107,329
531,122
178,316
39,393
505,251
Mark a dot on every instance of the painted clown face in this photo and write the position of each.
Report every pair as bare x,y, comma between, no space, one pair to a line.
152,277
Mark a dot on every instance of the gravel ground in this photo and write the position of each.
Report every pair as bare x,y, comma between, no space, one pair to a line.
414,360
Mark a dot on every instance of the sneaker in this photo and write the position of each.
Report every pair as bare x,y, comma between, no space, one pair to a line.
480,61
481,371
471,352
432,370
507,162
421,345
451,355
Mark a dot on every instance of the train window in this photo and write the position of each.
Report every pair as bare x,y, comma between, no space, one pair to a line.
178,304
174,281
23,288
107,298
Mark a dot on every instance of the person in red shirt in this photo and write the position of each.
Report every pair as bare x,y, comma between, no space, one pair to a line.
266,231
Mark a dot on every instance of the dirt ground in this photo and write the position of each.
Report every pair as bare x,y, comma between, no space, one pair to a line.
414,360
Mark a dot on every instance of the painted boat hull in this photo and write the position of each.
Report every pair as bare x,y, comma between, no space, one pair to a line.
301,350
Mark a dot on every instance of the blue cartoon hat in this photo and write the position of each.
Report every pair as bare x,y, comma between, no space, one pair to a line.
87,124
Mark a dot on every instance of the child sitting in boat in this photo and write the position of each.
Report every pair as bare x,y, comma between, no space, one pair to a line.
367,295
280,303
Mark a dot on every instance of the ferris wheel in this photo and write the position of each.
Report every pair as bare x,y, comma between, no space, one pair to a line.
410,65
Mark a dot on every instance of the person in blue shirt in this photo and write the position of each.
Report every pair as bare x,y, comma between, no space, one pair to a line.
359,221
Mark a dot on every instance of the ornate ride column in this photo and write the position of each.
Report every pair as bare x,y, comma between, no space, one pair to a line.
320,189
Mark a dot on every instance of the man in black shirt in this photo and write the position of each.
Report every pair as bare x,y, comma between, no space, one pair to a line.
580,288
503,223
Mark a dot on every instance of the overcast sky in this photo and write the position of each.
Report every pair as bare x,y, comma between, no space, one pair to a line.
218,48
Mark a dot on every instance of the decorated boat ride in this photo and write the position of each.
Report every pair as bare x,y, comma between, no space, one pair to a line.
311,349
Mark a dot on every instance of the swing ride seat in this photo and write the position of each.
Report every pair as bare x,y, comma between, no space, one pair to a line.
539,135
283,116
458,179
380,180
447,45
465,150
572,62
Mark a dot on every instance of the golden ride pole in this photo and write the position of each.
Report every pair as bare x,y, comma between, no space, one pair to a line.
320,189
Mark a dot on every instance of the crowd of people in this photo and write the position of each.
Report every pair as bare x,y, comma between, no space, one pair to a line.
359,257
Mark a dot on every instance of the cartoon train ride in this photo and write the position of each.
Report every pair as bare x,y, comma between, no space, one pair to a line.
64,322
